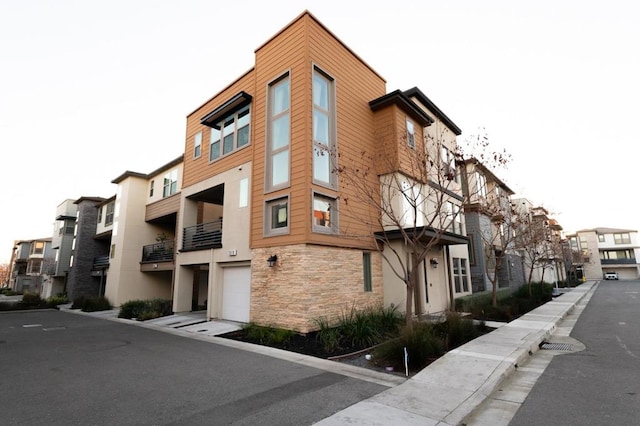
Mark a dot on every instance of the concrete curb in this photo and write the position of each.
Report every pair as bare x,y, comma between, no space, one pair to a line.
451,388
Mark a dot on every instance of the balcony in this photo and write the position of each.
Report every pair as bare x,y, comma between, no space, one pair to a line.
159,252
100,262
618,261
202,236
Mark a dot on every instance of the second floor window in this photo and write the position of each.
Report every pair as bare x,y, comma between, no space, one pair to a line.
170,186
622,238
37,247
481,183
411,136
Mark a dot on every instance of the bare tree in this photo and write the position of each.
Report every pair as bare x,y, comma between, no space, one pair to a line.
413,193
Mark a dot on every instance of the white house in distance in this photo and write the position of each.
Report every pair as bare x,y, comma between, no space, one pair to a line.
608,250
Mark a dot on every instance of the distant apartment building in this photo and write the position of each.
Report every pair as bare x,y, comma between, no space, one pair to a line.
263,233
62,244
602,250
488,213
32,266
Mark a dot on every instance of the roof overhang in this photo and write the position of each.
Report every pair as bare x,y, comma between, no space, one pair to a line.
443,238
403,102
236,102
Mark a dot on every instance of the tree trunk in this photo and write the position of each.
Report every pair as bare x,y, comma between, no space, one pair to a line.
409,307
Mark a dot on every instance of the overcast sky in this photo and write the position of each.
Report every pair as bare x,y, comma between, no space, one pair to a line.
90,89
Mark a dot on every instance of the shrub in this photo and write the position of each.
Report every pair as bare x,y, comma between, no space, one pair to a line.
32,300
267,335
423,345
57,300
91,304
144,310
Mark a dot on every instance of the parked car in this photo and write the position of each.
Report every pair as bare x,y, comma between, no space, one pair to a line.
611,276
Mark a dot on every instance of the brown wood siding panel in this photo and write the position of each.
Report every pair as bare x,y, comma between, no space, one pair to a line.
285,52
163,207
197,170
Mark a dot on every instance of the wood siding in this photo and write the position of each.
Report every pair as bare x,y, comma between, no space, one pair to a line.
163,207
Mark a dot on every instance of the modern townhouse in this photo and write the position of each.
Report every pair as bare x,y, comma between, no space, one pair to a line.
266,232
32,266
141,228
605,250
490,224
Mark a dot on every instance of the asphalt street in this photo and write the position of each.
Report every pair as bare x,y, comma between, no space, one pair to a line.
601,384
58,368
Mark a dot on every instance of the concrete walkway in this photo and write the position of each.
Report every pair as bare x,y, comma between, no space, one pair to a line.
450,389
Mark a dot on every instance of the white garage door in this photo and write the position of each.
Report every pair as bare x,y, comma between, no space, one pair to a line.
236,293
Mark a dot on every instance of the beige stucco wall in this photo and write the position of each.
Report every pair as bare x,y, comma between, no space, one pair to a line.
130,232
310,282
235,237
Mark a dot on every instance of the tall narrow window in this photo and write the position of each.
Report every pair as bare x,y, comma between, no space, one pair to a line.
366,269
151,188
197,145
214,144
279,134
411,136
108,217
323,128
481,184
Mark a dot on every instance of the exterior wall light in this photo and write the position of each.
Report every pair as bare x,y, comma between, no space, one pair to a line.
272,260
434,263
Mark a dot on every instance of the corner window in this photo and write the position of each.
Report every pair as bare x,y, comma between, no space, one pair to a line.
37,247
323,128
601,238
278,134
366,269
325,214
197,145
230,134
277,216
411,136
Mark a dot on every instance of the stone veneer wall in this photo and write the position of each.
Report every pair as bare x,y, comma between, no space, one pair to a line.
310,282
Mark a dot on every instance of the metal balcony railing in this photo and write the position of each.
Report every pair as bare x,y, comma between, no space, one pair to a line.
101,262
202,236
618,261
158,252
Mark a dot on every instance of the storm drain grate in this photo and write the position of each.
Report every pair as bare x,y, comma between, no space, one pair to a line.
556,346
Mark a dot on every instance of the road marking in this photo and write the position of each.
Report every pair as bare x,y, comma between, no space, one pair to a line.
623,346
31,325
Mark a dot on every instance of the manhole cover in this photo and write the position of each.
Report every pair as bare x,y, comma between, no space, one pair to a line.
556,346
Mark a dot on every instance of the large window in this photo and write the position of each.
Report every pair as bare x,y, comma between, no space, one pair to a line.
460,275
323,128
35,266
277,216
622,238
325,214
170,185
278,121
230,133
448,164
37,247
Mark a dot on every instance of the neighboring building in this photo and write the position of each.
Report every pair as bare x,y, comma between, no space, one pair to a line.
488,213
261,236
607,250
32,265
89,258
142,254
62,244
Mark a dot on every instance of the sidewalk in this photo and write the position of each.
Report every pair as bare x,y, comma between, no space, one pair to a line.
447,391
